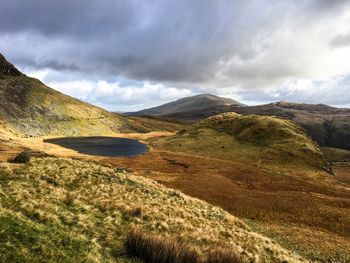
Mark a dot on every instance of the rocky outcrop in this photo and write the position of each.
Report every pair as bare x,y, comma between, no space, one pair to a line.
6,68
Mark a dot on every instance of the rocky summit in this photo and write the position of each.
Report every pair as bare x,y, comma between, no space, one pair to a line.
6,68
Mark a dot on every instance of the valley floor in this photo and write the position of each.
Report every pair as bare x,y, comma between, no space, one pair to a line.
306,213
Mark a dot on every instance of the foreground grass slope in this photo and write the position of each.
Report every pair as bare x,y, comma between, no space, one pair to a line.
74,211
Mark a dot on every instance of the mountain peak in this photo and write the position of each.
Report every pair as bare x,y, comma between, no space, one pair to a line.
212,97
200,102
6,68
205,95
204,100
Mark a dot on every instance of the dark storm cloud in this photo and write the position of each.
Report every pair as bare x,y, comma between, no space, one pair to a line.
76,18
174,41
328,5
183,44
158,40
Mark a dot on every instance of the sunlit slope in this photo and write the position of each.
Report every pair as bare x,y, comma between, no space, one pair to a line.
253,138
29,108
69,210
32,109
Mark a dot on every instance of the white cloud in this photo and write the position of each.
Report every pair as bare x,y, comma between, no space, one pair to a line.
114,97
334,91
131,96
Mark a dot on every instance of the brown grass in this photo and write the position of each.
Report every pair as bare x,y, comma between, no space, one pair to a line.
223,255
146,124
153,248
314,204
307,213
89,200
69,199
133,211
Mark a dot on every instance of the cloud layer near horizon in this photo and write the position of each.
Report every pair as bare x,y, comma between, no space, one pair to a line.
126,55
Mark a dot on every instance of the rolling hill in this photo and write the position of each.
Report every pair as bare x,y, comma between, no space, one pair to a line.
202,102
328,126
264,139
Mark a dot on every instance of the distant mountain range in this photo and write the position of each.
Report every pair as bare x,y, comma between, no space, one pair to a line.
328,126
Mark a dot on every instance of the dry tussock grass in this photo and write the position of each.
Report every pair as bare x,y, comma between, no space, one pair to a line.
163,249
223,255
154,248
309,201
133,211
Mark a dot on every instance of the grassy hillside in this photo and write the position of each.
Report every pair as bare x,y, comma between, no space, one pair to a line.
265,140
75,211
336,155
28,108
146,124
32,109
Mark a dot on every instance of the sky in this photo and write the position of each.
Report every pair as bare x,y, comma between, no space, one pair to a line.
129,55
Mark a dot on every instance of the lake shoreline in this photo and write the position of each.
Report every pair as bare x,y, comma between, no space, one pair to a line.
102,145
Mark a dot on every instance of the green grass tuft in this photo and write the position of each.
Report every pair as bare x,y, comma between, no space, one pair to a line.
22,240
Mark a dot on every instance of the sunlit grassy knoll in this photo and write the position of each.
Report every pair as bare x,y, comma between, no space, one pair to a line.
253,139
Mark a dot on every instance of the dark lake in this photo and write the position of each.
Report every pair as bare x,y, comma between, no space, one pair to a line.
102,146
